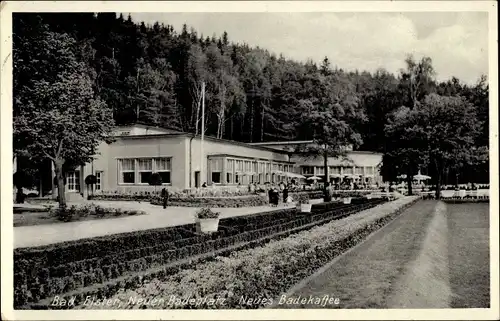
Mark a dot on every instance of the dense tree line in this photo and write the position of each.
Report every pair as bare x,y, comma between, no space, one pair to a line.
153,74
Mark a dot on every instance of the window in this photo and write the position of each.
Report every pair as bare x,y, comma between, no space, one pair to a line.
127,171
280,167
320,170
308,170
359,170
98,184
248,166
239,166
369,170
145,169
163,167
348,170
255,167
73,181
268,168
230,171
334,170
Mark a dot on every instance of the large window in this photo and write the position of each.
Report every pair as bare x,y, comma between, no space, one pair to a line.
369,170
215,166
127,171
73,180
139,170
358,170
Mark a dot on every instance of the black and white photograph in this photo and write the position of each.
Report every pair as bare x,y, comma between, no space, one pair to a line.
299,159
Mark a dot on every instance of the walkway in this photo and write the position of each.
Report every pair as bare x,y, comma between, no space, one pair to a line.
156,217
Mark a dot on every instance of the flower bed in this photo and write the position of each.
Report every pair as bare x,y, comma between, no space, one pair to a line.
59,268
263,272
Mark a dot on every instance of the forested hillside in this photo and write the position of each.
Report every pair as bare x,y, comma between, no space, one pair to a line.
153,74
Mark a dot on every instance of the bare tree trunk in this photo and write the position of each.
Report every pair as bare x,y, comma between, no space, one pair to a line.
262,123
438,180
325,187
409,179
232,128
251,121
58,164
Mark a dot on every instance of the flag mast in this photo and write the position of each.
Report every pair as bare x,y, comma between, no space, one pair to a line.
202,131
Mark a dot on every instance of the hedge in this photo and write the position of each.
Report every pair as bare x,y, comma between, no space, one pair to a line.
41,272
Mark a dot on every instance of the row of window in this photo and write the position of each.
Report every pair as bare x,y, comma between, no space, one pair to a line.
246,171
139,170
320,170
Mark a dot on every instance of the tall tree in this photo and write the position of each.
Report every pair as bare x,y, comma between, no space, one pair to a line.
57,115
417,80
332,108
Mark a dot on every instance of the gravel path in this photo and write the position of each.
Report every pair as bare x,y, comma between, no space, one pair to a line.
156,217
365,277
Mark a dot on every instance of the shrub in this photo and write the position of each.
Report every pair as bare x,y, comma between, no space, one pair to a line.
205,213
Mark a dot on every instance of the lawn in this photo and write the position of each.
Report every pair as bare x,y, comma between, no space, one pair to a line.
468,251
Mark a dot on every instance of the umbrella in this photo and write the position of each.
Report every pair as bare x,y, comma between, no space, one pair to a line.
313,178
294,175
420,177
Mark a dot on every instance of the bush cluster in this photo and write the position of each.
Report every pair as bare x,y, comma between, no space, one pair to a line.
74,213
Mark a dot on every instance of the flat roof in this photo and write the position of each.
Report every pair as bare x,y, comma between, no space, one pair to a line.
189,135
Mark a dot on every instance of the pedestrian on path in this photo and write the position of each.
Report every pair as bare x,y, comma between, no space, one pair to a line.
164,195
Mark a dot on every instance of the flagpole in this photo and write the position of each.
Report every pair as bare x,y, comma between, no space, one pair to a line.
202,180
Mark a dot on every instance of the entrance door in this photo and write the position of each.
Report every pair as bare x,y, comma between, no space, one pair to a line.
197,179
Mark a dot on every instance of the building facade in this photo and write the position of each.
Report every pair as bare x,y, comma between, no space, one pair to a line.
184,161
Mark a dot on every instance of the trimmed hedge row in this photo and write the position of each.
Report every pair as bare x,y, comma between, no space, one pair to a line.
64,278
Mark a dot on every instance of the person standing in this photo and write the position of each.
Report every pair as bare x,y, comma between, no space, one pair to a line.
285,194
164,195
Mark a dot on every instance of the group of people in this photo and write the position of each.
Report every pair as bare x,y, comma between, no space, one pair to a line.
274,195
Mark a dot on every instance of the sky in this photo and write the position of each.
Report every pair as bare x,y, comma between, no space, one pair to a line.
457,42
